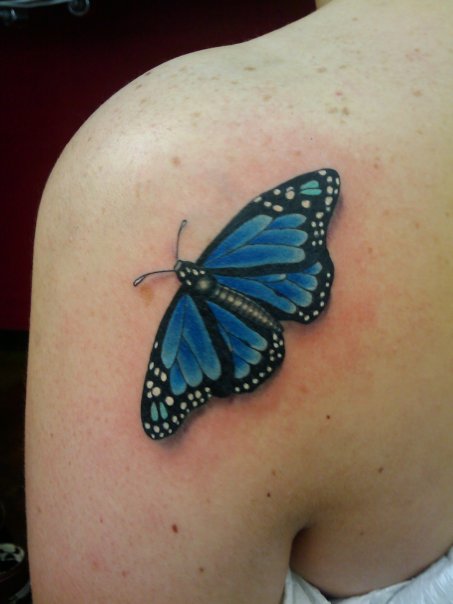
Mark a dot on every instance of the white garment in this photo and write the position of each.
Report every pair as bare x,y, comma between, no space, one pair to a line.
432,586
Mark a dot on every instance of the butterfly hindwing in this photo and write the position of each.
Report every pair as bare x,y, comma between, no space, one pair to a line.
256,350
293,296
202,350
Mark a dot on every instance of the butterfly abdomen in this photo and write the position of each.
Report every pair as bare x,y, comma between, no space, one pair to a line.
243,307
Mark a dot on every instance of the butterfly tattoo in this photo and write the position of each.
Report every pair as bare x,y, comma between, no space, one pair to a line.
221,334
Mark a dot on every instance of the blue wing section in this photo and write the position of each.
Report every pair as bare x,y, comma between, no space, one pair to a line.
261,241
299,296
249,349
242,235
187,349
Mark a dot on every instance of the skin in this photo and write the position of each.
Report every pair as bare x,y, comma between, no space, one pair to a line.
341,464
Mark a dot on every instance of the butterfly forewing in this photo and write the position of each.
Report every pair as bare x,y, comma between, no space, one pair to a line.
282,230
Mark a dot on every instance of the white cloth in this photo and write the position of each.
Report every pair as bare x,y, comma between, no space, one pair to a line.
432,586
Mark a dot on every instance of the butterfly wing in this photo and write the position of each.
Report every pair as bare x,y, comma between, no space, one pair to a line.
293,296
203,350
281,230
274,250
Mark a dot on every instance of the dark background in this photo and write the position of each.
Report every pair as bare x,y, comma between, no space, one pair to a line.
56,69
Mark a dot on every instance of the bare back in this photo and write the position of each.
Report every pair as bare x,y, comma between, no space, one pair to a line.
341,465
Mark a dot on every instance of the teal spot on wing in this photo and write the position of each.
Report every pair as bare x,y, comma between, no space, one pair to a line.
311,188
154,412
163,411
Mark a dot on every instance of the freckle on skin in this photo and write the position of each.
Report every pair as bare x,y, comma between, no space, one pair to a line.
327,416
338,93
380,470
274,473
146,295
201,569
176,161
174,528
101,519
124,573
332,110
321,69
417,93
345,111
268,494
266,97
249,68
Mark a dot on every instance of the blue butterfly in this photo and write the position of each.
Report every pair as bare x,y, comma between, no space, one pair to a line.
221,334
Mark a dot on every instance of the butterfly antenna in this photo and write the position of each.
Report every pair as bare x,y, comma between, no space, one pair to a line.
169,270
181,226
143,277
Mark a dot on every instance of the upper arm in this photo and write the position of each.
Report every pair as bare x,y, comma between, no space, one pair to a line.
112,513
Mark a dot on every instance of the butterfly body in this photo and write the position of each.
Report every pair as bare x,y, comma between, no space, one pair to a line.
201,282
222,333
